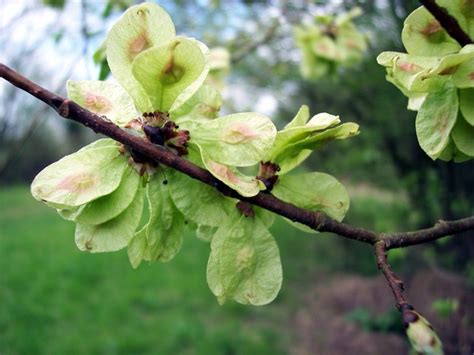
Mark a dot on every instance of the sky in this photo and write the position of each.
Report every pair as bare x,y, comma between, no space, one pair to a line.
46,46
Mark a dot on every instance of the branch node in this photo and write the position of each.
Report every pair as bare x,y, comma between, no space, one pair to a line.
246,208
318,220
63,108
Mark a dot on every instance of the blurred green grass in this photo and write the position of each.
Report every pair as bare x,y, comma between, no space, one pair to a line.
55,299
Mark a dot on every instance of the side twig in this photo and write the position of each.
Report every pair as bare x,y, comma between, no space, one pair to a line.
315,220
448,22
395,283
441,228
244,51
267,36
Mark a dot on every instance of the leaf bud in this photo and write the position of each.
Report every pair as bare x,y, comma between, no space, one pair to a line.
421,334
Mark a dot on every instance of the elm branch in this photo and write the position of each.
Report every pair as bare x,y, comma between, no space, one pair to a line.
395,284
315,220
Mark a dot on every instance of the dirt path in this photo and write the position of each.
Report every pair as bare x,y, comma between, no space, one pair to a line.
321,325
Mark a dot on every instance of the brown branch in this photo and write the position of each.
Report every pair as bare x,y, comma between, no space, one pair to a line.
440,229
267,36
250,47
315,220
395,283
448,22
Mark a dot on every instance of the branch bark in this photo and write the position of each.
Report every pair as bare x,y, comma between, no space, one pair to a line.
395,283
315,220
250,47
440,229
448,22
267,36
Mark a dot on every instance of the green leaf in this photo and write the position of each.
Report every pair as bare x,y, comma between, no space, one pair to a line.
312,67
80,177
166,71
247,186
326,48
100,143
342,131
451,152
436,119
110,206
140,27
460,157
463,136
103,98
295,153
439,72
244,264
466,104
467,8
165,227
104,71
266,217
301,117
329,43
99,54
137,247
292,135
387,58
423,35
352,44
411,72
213,270
70,213
112,235
192,89
293,160
205,233
250,267
464,75
315,191
415,101
240,139
199,203
316,123
448,153
450,64
203,105
57,4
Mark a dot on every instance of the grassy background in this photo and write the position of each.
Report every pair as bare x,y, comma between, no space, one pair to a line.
56,300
